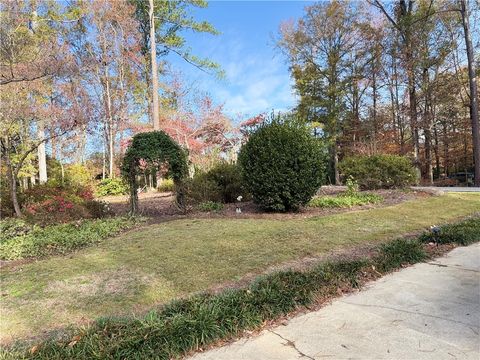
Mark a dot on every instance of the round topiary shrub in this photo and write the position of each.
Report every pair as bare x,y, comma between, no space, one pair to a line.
283,165
379,171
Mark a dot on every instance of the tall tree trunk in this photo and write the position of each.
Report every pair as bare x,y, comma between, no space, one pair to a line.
153,61
412,96
428,154
63,172
41,152
394,115
12,179
110,133
104,160
374,115
82,142
427,126
397,108
24,182
473,91
446,150
53,143
356,115
335,163
111,151
436,151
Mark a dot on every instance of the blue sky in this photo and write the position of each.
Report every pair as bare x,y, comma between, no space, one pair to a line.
256,74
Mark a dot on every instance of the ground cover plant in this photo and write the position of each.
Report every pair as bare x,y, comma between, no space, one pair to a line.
208,206
20,240
351,197
154,264
197,321
344,200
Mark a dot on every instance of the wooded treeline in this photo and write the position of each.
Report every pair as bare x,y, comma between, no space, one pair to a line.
79,74
372,77
389,77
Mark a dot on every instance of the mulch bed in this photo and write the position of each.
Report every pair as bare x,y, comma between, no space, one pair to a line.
160,207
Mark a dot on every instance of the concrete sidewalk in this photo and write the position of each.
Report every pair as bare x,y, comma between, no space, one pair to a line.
428,311
446,189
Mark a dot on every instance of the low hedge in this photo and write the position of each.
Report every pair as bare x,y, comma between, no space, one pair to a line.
20,240
195,322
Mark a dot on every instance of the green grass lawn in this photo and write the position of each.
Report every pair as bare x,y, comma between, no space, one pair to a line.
132,272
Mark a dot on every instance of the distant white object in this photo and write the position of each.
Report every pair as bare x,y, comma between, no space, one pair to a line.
238,210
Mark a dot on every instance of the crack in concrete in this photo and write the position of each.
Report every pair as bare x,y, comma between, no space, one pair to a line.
409,312
452,267
292,344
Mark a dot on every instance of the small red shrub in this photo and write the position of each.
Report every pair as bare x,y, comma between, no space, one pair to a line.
51,204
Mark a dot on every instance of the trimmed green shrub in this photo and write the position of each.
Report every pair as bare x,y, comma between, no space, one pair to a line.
228,178
210,206
20,241
112,186
283,165
167,185
379,171
463,233
344,200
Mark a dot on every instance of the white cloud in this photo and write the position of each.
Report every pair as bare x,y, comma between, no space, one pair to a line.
255,81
